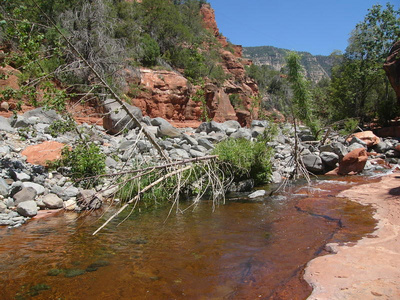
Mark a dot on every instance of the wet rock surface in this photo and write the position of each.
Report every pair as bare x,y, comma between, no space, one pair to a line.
369,269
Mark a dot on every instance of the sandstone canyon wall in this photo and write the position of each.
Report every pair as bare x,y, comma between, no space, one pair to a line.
168,94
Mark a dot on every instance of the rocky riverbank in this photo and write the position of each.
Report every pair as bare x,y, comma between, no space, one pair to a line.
29,140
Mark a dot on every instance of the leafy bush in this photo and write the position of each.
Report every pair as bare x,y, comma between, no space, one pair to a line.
61,126
85,160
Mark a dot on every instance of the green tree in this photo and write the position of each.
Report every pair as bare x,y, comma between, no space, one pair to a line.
356,78
302,97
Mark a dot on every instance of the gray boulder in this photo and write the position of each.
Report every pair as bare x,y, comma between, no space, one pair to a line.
355,146
4,150
195,153
243,133
116,119
210,126
189,139
259,123
41,115
256,131
356,140
65,193
329,158
110,162
165,129
205,143
230,124
313,163
5,125
27,208
125,145
179,154
3,207
20,122
26,194
276,177
382,147
4,187
89,200
52,201
21,176
40,189
335,147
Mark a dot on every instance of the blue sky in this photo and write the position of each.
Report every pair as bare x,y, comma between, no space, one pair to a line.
315,26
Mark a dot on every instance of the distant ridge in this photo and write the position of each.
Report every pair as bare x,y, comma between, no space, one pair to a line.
317,66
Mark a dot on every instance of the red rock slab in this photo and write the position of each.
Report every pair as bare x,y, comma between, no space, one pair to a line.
46,213
42,153
369,269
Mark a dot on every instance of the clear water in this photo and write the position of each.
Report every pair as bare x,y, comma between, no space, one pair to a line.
242,250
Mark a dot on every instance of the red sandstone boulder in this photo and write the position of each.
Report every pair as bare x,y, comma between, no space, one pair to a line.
41,154
392,68
393,131
366,136
352,163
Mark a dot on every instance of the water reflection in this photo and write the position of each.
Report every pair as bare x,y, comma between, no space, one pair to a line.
243,250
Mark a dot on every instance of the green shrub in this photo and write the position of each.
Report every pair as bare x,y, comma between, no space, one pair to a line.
151,51
235,100
61,126
85,160
246,159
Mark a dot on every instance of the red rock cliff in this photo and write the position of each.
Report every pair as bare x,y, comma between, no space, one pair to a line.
392,68
169,95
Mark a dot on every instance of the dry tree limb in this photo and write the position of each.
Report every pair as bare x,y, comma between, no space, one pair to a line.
141,192
164,166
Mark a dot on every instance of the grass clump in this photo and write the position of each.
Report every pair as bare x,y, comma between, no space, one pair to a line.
246,159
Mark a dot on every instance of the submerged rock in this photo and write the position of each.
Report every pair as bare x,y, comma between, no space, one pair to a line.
256,194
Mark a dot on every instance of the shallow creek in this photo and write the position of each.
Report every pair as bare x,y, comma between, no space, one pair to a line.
242,250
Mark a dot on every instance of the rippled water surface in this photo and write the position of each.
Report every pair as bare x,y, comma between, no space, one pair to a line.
242,250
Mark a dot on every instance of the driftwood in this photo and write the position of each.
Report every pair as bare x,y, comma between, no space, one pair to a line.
164,166
173,168
141,192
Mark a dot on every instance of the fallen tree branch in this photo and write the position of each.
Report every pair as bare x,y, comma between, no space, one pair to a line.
164,166
107,86
141,192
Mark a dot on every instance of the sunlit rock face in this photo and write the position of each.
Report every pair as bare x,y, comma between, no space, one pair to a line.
169,95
